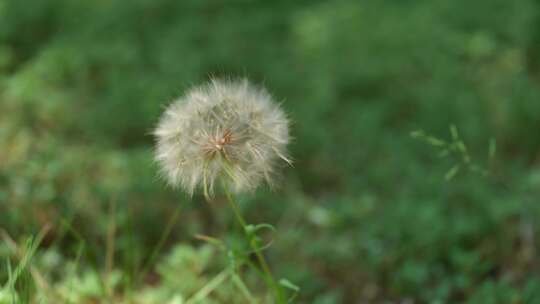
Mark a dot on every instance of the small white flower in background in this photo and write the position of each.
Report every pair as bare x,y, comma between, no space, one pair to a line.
226,129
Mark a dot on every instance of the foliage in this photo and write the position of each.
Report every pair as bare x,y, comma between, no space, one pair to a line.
365,214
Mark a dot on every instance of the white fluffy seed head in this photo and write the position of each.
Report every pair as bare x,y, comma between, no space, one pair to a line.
225,130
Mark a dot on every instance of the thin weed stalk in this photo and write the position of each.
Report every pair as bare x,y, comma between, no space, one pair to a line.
253,243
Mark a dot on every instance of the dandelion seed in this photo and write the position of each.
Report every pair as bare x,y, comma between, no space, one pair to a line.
224,130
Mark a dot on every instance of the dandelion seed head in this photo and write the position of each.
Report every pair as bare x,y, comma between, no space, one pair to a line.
225,130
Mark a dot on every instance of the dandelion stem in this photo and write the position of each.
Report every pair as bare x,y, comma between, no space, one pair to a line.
270,280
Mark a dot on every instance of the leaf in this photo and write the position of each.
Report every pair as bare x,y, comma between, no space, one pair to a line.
461,147
427,138
287,284
417,134
452,172
435,141
250,229
263,226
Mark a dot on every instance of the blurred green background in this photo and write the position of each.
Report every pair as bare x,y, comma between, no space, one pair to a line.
364,216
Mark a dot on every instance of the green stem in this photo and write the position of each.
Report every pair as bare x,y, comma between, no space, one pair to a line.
253,244
209,287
